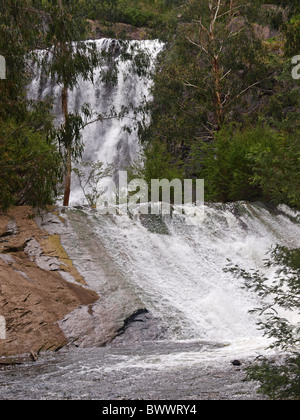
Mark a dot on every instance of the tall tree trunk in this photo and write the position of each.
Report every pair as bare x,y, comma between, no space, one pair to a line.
216,73
65,111
64,100
218,96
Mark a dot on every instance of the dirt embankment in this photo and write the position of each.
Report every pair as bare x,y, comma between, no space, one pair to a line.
38,286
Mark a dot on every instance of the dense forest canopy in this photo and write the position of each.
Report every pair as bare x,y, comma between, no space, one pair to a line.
225,108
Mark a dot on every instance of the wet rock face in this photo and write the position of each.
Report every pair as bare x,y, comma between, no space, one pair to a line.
140,327
59,287
35,253
119,315
33,294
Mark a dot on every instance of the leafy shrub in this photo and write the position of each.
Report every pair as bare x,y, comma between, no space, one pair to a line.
292,33
30,167
251,163
279,379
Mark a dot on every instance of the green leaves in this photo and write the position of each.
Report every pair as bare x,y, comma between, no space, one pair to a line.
30,167
279,379
292,33
251,163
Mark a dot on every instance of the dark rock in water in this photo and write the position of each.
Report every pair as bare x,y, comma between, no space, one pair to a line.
138,328
34,356
236,363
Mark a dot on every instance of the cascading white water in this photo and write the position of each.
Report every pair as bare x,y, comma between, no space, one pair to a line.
106,141
176,269
180,275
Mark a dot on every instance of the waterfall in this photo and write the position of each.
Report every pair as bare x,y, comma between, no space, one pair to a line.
107,141
176,270
180,277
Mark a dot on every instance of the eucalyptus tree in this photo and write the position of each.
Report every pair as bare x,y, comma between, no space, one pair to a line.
214,72
70,59
30,167
228,52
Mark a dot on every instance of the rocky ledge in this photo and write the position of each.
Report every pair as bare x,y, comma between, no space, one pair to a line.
34,295
118,30
53,294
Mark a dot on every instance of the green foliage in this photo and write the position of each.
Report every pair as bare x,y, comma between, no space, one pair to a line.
160,16
134,14
279,379
30,167
292,33
156,163
250,164
19,32
276,169
227,167
206,79
70,57
226,107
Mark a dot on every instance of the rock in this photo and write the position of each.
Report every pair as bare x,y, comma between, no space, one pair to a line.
119,312
10,230
33,356
33,299
117,30
236,363
139,327
44,305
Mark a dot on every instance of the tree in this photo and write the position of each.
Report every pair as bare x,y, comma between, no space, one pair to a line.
229,53
69,59
213,73
90,175
292,33
19,32
251,163
30,167
279,379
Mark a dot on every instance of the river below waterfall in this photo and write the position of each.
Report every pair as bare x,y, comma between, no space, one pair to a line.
151,371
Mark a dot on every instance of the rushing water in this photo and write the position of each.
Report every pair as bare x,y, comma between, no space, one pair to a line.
108,141
176,270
